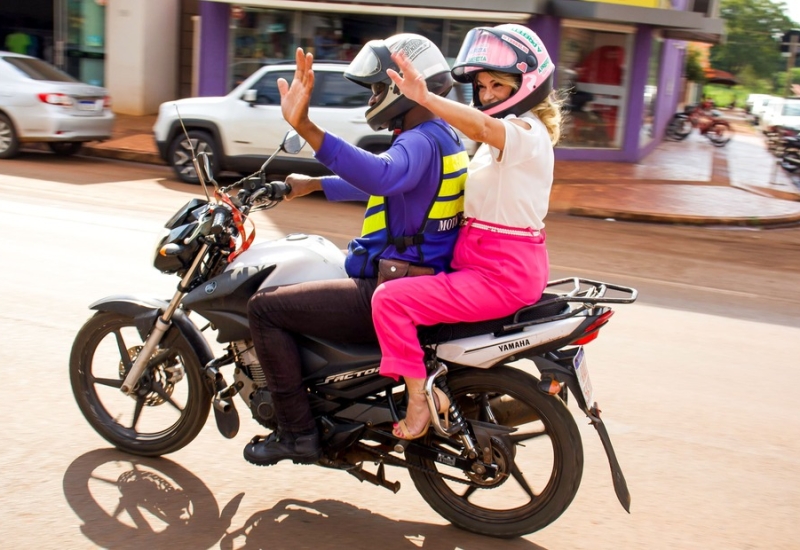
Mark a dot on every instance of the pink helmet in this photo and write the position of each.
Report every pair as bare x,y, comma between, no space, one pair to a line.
511,49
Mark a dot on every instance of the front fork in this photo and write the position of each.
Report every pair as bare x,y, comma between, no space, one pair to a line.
161,326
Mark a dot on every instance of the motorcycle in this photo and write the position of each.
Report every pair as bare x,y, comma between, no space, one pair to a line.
505,460
790,154
708,121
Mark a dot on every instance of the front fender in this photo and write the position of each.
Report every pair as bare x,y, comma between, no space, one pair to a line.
145,310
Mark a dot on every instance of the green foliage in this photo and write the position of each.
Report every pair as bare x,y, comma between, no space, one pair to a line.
693,70
753,32
780,81
723,96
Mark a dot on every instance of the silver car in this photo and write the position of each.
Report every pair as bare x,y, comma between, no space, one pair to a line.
39,103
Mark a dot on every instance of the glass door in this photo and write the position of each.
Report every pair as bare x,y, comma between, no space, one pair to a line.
80,39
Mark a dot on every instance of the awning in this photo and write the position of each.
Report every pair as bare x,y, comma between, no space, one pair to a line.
680,25
506,12
716,76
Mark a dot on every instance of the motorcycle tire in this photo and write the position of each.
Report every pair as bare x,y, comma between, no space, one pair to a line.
679,128
719,134
171,404
791,160
547,436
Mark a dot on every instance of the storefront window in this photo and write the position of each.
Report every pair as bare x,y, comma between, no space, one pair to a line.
85,40
261,35
650,93
429,28
593,71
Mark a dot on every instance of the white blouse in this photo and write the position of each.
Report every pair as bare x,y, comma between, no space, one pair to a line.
515,190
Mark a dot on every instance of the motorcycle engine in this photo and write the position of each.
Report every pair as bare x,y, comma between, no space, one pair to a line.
254,384
263,409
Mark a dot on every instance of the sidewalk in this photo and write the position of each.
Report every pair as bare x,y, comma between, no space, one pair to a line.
688,182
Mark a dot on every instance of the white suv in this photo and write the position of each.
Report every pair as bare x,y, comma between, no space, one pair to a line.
240,130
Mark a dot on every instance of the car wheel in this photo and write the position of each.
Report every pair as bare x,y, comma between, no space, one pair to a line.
9,143
180,153
65,148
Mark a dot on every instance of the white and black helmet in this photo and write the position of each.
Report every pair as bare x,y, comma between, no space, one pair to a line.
369,67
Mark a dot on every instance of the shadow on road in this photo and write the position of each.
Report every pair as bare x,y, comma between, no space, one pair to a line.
125,501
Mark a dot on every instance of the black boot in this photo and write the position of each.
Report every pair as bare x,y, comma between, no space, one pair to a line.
301,449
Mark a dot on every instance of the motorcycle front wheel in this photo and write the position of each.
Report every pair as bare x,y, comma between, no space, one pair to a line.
170,404
540,464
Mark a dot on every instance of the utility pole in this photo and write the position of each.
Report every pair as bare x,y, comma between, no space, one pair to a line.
794,36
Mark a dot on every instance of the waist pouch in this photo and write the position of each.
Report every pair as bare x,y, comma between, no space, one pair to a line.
395,269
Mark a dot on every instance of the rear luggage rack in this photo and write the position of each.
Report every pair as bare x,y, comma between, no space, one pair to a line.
586,292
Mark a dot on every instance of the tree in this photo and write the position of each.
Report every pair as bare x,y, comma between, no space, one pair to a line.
694,69
754,29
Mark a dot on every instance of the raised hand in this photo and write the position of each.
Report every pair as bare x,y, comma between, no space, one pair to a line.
411,83
296,98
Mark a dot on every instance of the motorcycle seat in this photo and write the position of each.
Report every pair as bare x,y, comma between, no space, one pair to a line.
444,332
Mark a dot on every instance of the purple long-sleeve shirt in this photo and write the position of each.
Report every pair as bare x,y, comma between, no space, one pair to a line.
407,174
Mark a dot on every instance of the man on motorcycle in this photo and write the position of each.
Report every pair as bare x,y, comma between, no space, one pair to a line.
415,191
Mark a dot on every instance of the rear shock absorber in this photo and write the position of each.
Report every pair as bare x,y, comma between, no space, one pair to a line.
458,425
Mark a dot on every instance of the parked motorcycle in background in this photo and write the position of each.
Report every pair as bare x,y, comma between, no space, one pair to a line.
505,460
790,152
708,121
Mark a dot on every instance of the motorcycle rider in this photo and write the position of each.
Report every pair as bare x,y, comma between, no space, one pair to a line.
412,217
500,262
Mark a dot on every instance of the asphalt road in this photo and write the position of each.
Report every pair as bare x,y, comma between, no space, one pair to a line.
697,381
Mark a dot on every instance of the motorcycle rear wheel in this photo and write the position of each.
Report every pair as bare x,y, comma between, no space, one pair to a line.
719,134
168,409
546,444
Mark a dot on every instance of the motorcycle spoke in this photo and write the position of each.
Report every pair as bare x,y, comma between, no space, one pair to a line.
159,389
137,412
123,350
159,357
468,493
516,473
110,382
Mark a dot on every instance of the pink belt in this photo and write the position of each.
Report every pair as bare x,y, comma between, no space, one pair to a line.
502,230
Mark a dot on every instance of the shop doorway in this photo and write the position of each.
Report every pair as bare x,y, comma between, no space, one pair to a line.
80,45
27,27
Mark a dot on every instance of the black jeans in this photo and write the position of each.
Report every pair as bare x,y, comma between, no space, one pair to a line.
338,310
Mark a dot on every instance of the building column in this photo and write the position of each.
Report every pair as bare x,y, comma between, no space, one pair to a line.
214,23
142,54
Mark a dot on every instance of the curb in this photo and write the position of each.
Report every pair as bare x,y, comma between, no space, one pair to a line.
122,154
677,219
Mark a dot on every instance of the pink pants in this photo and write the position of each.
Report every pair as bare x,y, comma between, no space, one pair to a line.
495,275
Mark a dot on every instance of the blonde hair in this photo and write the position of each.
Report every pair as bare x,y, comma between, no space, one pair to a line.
548,111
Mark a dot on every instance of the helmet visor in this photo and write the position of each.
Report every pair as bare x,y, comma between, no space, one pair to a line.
366,64
483,49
